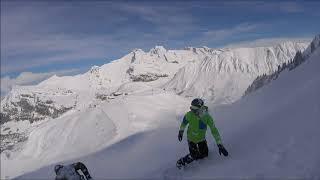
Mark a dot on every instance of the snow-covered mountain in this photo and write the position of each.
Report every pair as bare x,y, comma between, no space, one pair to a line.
223,76
159,78
299,58
272,133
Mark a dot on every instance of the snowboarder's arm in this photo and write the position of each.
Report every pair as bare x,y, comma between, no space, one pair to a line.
184,123
83,168
214,131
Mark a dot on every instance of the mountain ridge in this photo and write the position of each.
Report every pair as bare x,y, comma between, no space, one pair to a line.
165,69
299,58
239,64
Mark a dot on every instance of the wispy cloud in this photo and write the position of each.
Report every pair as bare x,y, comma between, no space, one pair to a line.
269,6
170,19
213,36
265,42
36,35
291,7
34,51
225,33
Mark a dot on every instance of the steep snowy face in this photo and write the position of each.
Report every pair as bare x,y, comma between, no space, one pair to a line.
159,63
224,75
298,59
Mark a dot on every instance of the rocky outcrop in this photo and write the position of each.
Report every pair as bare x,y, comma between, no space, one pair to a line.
144,77
24,110
147,77
8,141
30,107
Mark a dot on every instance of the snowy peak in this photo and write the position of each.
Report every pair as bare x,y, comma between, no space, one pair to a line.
95,70
313,46
205,50
158,63
222,75
158,50
219,74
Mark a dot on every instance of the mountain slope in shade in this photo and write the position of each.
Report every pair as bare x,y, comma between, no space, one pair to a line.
78,133
271,133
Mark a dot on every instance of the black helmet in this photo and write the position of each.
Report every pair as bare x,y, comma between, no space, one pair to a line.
57,168
197,102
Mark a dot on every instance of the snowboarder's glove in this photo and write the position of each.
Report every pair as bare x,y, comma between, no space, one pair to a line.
180,135
222,150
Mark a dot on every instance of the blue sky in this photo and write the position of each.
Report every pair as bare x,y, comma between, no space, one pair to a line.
71,36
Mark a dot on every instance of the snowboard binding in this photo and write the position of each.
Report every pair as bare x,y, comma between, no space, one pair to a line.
180,164
184,161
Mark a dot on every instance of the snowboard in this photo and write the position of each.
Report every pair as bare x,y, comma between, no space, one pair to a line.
180,173
182,162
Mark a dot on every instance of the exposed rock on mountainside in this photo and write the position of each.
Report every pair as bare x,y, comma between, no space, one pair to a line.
30,107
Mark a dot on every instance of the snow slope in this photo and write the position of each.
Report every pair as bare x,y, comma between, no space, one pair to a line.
272,133
88,130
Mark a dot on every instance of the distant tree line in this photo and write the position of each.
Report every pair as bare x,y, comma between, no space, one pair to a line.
264,79
298,59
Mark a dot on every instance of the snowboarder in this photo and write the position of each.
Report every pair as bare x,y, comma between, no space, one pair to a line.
197,120
70,172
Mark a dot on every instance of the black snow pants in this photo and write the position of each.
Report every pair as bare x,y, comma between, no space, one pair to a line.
197,151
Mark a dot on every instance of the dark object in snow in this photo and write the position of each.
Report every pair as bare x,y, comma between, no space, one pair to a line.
222,150
71,171
197,151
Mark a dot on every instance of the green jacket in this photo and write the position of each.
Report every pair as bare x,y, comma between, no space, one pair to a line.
198,127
